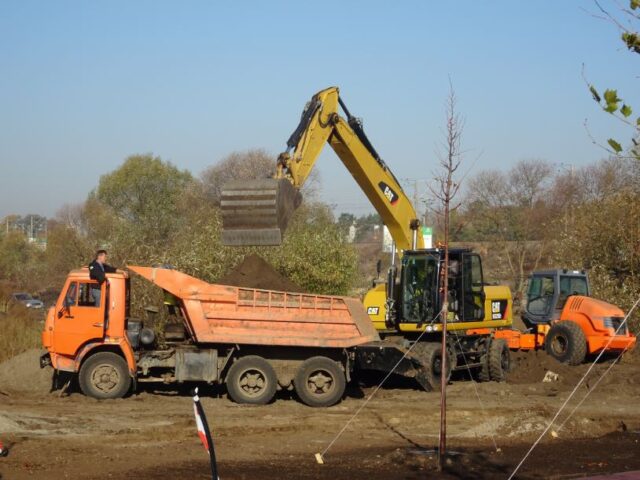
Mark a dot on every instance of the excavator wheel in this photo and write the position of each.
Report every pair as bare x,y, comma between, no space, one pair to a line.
320,382
252,380
499,360
566,343
256,212
430,354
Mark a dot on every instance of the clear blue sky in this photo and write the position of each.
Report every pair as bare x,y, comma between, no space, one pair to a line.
85,84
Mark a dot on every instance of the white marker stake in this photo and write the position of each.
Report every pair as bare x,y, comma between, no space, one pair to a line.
319,459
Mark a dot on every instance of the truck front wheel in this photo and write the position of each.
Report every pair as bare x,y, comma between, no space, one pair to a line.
320,382
105,375
251,379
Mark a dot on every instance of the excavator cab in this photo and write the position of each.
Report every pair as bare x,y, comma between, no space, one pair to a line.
420,290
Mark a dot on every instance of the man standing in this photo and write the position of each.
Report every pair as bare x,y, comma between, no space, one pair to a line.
97,270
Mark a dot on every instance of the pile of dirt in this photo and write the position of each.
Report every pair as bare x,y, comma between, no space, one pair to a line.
531,367
255,272
22,374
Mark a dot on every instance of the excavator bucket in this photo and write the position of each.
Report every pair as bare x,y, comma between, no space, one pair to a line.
256,212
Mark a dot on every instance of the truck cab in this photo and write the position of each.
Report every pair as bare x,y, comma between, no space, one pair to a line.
89,318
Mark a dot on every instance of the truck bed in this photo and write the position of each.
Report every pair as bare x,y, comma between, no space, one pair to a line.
234,315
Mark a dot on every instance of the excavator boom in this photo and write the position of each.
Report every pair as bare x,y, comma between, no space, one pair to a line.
256,212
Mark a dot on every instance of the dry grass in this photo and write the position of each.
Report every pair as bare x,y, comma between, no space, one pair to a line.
19,330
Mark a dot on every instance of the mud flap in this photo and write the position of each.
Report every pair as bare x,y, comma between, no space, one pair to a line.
385,358
45,360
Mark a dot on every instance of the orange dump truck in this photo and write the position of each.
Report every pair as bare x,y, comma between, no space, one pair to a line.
254,341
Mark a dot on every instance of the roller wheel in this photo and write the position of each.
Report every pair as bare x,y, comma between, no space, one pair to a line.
105,375
320,382
566,343
252,380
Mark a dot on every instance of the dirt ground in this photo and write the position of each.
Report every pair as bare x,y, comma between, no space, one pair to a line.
151,434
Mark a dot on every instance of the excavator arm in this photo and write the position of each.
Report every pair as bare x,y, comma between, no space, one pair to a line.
257,212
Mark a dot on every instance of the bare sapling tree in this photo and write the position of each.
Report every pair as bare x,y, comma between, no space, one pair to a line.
444,190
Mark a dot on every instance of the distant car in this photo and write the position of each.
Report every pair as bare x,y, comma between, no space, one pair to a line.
27,300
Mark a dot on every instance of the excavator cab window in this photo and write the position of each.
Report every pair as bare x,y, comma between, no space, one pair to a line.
466,292
420,288
472,307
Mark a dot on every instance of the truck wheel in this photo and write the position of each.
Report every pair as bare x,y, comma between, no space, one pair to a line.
104,375
431,355
252,380
499,360
320,382
566,343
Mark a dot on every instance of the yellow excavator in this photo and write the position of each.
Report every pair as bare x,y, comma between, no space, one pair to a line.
407,304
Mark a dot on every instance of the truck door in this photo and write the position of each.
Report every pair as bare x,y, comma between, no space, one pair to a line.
80,317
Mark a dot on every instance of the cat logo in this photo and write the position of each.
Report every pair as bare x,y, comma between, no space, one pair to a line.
373,310
388,192
497,309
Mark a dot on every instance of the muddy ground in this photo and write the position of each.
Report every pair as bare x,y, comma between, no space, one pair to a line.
151,435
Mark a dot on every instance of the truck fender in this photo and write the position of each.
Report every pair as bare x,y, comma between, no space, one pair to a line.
121,344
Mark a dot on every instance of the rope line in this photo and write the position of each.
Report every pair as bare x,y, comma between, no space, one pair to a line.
475,387
575,389
613,363
346,425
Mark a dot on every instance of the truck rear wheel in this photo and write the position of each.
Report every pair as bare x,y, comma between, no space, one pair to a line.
320,382
252,380
566,343
430,353
499,360
104,375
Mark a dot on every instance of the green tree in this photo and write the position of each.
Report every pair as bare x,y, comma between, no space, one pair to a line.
144,193
605,239
627,22
20,261
315,253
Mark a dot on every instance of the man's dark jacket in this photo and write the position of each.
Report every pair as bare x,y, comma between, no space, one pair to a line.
96,272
